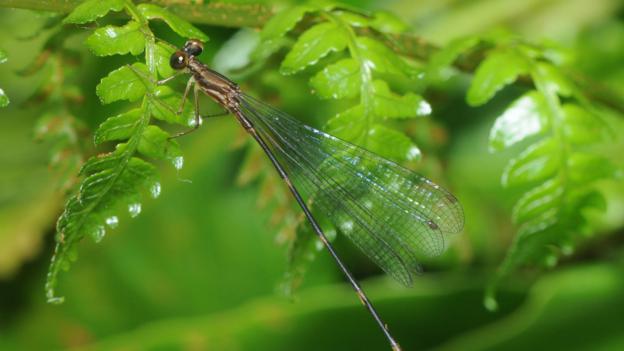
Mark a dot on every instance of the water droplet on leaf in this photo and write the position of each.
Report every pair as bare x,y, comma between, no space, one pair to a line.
423,108
155,190
490,303
112,221
134,209
99,233
413,153
178,162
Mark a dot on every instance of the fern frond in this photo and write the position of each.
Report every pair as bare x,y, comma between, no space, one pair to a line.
116,182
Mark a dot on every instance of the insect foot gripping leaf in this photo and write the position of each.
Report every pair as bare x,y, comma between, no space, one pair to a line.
115,182
364,72
557,170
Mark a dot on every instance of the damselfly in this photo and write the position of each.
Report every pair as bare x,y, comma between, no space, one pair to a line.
392,214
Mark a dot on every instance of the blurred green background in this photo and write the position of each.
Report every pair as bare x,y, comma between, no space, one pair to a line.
199,268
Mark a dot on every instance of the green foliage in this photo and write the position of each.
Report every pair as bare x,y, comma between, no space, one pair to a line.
354,67
558,169
187,273
112,40
91,10
113,182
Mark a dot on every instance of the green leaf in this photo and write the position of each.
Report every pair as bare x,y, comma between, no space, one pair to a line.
352,19
553,78
390,105
180,26
312,45
156,143
163,55
119,127
116,181
122,84
525,117
442,59
340,80
91,10
537,162
283,22
236,53
539,223
4,99
391,144
542,198
387,22
380,58
3,56
166,105
581,126
345,124
112,40
587,167
500,68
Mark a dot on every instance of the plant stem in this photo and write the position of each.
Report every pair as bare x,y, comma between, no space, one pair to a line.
213,13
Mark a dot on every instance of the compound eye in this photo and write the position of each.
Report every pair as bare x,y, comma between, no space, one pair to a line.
193,47
178,60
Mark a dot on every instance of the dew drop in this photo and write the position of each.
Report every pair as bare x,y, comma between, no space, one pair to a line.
55,300
99,233
178,162
490,304
134,209
413,153
155,190
423,108
567,250
551,261
112,221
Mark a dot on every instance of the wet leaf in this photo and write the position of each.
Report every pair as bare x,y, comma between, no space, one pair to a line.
525,117
380,58
177,24
340,80
345,124
115,183
537,162
390,105
119,127
91,10
499,69
163,55
312,45
167,104
391,144
122,84
156,143
283,22
113,40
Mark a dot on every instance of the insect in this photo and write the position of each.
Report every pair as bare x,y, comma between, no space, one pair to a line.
392,214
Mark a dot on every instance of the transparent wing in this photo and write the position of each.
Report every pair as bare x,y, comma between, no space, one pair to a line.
392,214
